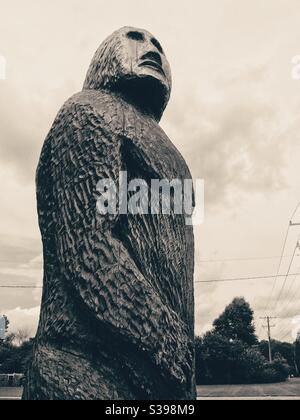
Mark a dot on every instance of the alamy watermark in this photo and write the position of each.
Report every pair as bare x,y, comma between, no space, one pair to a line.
2,67
139,197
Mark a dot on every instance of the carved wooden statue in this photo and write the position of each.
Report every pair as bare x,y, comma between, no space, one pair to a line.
117,316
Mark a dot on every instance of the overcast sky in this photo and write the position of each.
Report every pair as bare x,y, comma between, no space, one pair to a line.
234,115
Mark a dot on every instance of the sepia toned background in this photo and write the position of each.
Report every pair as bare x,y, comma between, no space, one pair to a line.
234,114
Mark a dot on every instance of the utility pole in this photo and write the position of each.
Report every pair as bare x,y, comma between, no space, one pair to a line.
269,326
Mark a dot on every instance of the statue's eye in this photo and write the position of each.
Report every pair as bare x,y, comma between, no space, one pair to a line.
157,45
136,36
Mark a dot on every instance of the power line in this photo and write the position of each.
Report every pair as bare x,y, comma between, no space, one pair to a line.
286,308
294,214
289,316
282,254
243,259
243,279
20,287
279,266
228,280
281,259
284,328
287,334
287,275
288,272
294,296
292,299
202,261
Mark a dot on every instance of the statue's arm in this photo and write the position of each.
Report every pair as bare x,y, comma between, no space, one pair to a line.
94,259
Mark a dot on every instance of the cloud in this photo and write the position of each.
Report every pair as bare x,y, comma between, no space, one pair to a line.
26,116
230,124
234,138
18,250
20,132
207,303
20,265
23,319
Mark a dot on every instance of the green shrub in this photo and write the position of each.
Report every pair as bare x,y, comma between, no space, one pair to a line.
252,365
269,375
277,371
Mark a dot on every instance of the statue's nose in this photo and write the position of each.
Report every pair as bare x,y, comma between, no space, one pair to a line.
153,56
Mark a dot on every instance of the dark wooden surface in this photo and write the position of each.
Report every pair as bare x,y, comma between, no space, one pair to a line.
117,319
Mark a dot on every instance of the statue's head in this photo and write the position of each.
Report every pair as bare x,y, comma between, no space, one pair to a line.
132,62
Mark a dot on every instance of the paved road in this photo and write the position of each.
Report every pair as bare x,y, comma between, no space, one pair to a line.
287,390
10,393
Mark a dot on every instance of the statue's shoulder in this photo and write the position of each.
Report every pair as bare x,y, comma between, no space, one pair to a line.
86,115
97,107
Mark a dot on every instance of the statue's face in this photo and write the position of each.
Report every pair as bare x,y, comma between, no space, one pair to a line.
133,62
144,56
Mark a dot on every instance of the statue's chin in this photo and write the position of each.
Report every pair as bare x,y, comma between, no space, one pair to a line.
147,93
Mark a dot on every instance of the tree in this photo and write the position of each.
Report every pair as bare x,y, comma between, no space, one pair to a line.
14,359
220,360
221,357
252,366
281,367
202,373
237,322
285,351
21,337
15,351
230,353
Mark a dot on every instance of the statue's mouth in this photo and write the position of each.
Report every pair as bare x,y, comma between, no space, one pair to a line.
153,65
